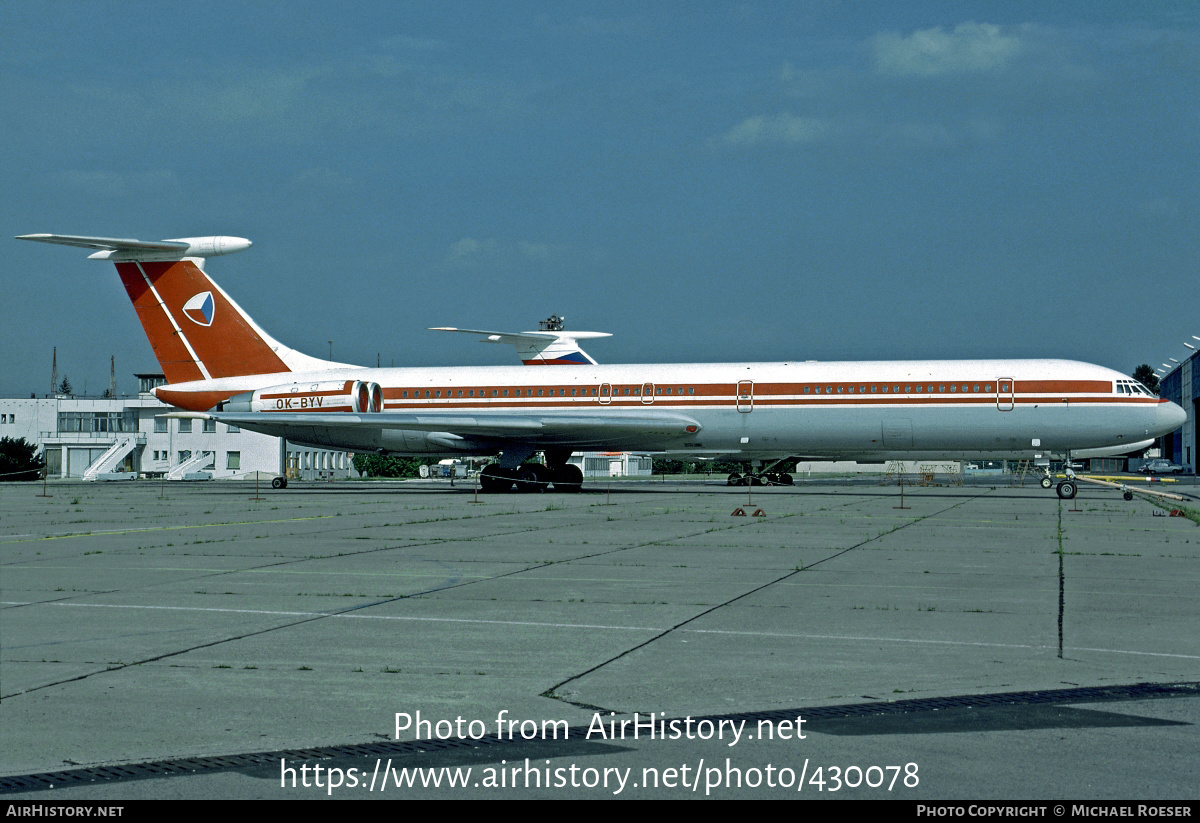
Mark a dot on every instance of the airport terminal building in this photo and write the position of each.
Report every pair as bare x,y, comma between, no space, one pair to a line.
118,437
1182,385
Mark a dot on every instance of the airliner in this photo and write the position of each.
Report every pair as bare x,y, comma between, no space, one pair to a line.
219,362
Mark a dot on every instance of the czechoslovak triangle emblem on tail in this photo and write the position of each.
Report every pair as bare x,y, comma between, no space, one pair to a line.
199,309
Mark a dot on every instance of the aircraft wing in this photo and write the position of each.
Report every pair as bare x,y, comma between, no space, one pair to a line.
488,429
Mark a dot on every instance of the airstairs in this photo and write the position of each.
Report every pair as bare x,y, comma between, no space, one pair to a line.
192,464
108,461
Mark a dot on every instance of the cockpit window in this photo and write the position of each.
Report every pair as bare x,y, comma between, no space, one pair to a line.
1132,387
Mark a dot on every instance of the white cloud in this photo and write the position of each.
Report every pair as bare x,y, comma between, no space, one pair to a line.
1160,209
970,48
776,128
469,253
99,183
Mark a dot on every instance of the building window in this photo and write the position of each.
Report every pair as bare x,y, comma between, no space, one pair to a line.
160,425
185,425
233,460
232,429
210,426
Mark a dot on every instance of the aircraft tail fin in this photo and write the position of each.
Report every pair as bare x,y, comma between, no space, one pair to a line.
196,330
540,348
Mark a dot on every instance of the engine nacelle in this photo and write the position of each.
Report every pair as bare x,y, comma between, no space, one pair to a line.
321,396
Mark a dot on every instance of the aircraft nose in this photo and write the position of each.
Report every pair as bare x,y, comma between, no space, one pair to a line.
1169,417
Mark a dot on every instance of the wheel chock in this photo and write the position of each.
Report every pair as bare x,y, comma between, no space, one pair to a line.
759,513
738,512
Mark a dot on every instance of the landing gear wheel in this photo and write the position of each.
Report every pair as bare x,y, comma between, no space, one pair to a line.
532,478
279,483
568,478
1128,495
493,479
756,480
1047,482
1066,490
734,479
786,480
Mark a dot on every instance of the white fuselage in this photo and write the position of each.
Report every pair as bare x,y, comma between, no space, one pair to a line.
860,410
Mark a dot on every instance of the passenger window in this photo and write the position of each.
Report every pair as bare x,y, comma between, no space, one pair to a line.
691,391
952,388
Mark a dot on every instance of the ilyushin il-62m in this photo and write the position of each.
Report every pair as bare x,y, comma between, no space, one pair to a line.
218,361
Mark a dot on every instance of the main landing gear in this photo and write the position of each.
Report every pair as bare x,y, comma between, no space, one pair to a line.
762,476
279,483
533,477
761,479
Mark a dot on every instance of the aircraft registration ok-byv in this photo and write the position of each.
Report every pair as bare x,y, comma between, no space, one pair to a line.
219,361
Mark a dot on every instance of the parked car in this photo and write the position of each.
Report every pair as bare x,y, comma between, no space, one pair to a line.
1161,467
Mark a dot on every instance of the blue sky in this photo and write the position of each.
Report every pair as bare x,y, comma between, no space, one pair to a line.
707,181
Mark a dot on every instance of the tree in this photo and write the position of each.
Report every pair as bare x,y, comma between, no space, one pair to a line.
1145,375
18,459
376,465
65,386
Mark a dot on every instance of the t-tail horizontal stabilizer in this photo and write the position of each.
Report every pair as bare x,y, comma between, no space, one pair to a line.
119,249
541,348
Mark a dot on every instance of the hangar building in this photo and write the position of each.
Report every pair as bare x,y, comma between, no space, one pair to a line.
1182,385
